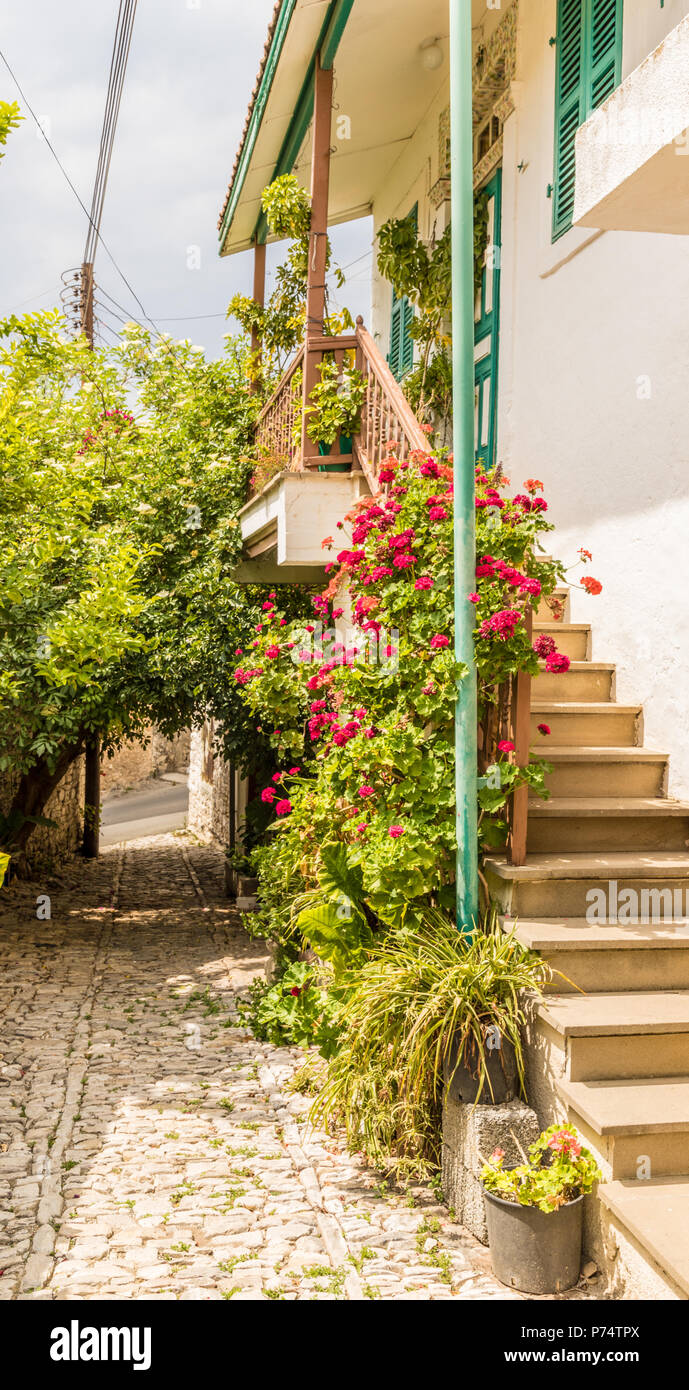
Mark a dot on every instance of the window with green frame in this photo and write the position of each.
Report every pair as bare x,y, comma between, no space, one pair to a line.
589,63
401,354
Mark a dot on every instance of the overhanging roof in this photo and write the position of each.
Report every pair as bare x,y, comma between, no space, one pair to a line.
380,85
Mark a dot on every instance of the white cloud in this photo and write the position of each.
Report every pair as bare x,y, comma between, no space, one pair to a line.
190,76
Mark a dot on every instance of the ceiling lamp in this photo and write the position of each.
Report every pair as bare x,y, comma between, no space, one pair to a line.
431,55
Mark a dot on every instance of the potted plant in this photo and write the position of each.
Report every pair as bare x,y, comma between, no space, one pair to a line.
483,1060
534,1212
335,411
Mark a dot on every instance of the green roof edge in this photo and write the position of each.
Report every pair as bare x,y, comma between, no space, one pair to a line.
327,45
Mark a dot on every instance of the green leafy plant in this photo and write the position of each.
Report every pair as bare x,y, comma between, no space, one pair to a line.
296,1010
558,1170
334,918
420,991
336,402
422,273
10,118
280,323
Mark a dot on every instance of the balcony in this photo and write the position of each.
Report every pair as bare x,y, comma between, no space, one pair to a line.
632,155
301,495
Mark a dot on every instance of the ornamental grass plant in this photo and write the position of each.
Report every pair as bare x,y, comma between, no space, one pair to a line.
423,989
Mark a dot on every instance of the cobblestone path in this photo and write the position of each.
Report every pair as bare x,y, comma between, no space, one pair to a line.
148,1146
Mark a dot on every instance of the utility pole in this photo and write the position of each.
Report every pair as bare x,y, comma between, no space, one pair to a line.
92,774
461,123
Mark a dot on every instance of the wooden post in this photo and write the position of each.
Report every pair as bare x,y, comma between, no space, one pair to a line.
318,242
259,297
92,800
519,818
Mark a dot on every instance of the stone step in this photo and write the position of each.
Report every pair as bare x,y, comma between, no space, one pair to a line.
571,639
639,1128
601,959
617,1036
608,771
655,1215
650,886
545,614
585,680
585,724
595,824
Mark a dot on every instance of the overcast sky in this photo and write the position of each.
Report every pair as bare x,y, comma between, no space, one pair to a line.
191,71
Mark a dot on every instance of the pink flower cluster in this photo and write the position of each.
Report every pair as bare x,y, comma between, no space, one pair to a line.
563,1142
502,625
488,568
243,677
546,650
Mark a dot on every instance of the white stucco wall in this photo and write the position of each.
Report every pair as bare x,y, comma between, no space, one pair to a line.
593,380
593,395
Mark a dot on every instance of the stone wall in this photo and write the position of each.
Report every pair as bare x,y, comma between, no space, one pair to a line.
209,789
136,762
48,845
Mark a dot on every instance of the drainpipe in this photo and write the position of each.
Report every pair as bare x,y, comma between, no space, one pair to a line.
466,717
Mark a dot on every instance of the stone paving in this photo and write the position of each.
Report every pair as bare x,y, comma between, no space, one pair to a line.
149,1145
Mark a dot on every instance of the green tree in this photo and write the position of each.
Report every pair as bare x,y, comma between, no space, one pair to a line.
122,473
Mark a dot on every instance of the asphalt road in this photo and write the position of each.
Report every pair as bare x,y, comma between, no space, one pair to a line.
155,809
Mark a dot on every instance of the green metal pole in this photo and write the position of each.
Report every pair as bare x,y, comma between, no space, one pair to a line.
462,170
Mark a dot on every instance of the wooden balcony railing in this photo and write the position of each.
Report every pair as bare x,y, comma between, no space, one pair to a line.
386,417
277,440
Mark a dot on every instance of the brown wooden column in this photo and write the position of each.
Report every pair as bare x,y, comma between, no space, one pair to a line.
519,814
318,244
259,297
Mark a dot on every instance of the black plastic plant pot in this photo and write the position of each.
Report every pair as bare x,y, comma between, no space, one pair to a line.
500,1081
531,1250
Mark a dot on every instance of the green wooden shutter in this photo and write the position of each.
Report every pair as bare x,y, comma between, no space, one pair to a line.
401,354
396,332
605,54
569,103
589,60
407,340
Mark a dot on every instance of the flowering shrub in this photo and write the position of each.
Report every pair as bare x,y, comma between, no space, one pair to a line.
368,713
558,1171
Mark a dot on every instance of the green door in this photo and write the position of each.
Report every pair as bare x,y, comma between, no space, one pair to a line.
487,332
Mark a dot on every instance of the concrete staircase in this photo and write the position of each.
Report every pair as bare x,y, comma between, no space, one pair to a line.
614,1060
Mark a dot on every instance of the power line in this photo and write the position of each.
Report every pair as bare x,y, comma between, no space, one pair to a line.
186,318
83,207
118,66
